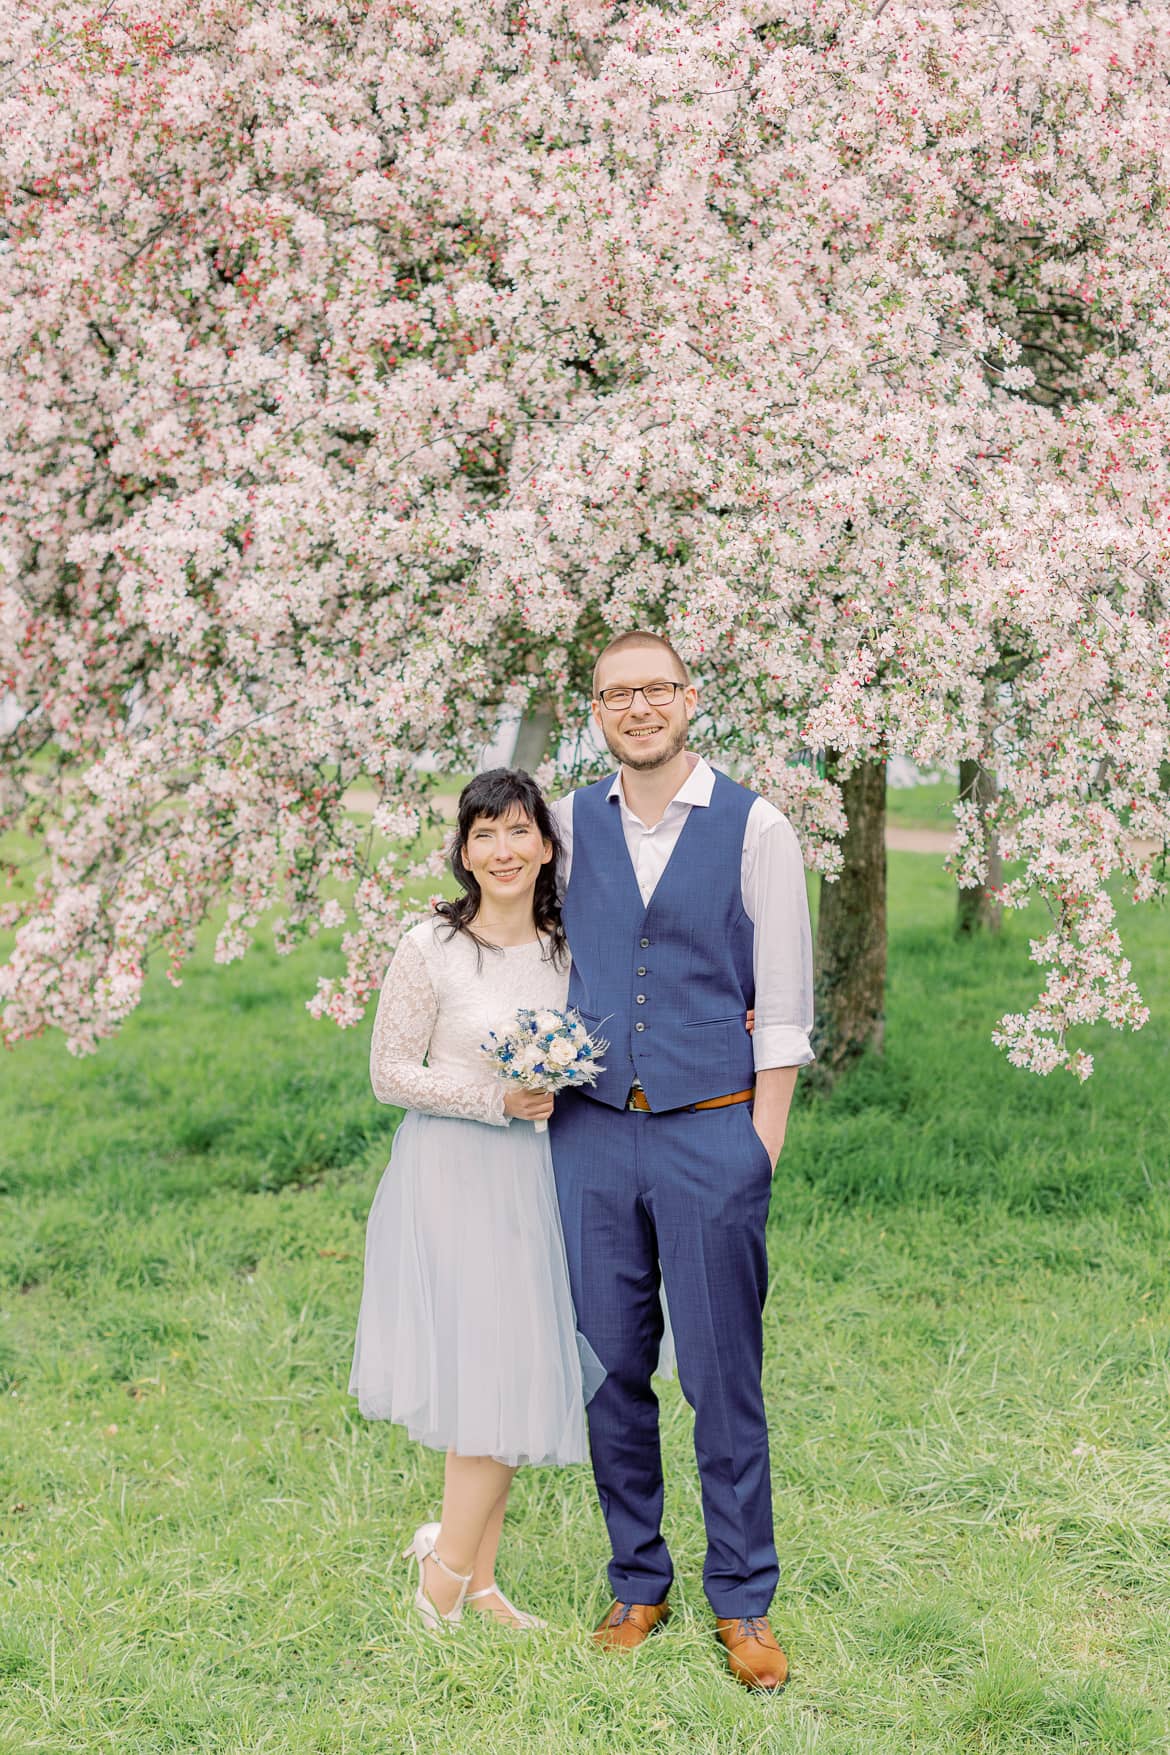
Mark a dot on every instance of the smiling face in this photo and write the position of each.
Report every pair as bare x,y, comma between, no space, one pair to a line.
641,735
504,855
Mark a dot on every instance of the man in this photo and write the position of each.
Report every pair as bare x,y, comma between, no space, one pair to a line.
684,904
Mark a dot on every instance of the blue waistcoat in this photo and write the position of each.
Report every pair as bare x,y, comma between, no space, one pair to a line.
667,985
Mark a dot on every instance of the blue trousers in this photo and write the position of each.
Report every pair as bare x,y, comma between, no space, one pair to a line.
689,1190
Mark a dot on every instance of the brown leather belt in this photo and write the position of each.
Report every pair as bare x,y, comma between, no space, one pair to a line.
638,1099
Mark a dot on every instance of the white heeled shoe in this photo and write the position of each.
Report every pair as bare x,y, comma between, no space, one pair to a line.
422,1548
530,1623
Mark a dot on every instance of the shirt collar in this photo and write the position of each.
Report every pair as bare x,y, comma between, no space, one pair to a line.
695,789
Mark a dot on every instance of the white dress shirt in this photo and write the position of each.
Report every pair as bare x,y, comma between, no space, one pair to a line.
771,876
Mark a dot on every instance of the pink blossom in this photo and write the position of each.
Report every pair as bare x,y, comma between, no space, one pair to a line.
360,367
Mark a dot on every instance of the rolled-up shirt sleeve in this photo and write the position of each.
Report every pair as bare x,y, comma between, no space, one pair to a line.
776,901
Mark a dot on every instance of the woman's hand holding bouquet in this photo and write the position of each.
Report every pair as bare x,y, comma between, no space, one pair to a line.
529,1105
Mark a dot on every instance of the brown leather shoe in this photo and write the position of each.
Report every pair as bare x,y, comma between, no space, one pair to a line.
753,1655
625,1625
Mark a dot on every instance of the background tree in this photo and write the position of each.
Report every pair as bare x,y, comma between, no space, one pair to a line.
361,372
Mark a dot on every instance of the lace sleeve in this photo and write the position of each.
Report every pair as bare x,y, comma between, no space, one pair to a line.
407,1009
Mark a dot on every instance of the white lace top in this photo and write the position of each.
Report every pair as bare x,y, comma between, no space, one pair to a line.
435,1009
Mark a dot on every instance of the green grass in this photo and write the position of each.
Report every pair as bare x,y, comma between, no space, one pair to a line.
922,807
968,1377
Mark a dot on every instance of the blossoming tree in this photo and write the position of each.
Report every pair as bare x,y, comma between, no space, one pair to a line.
363,366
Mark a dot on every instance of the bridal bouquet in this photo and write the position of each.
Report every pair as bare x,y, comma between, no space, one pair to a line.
545,1050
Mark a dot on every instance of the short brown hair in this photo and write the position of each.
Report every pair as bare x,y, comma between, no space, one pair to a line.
638,637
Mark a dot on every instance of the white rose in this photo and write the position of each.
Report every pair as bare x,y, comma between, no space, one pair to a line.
562,1052
548,1021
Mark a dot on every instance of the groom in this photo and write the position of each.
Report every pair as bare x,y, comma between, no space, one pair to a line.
684,905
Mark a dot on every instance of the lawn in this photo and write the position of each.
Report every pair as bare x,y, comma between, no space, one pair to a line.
929,806
968,1379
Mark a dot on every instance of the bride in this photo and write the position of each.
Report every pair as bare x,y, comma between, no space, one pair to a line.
466,1334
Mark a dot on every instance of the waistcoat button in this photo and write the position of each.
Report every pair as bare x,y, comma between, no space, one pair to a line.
641,999
641,971
639,1026
643,942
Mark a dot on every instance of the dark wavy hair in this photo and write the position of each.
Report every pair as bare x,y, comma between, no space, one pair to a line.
493,795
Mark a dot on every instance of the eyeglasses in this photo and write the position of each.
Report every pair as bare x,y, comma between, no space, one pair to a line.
655,694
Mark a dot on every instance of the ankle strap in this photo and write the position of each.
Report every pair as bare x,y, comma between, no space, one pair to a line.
459,1577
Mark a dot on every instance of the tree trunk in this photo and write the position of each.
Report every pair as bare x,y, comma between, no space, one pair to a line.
533,737
980,909
850,982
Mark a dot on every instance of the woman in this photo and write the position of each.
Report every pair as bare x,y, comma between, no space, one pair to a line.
466,1334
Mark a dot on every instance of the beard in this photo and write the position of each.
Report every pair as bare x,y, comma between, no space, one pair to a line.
676,740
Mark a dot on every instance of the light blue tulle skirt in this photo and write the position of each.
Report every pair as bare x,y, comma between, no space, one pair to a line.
466,1334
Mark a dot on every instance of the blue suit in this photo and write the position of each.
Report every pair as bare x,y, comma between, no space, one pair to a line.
668,984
